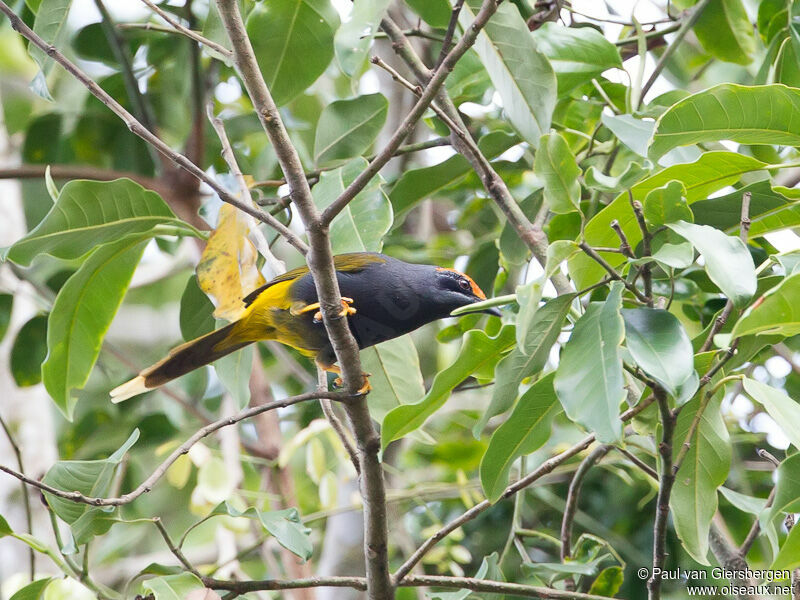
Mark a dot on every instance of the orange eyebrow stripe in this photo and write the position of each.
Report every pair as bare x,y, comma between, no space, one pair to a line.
475,289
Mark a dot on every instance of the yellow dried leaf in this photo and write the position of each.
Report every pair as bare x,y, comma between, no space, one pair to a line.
227,270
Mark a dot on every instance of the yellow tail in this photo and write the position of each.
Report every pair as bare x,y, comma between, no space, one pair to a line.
186,357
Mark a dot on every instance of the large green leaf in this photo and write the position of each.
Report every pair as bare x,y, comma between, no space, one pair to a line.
197,311
520,73
395,375
81,315
89,477
347,128
555,165
526,430
780,407
173,587
777,313
705,468
577,55
526,359
89,213
771,209
28,352
634,133
666,204
730,112
478,352
416,184
360,227
591,368
711,172
727,260
659,345
234,371
725,31
293,42
354,38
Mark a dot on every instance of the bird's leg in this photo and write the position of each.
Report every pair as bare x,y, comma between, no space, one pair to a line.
347,310
365,386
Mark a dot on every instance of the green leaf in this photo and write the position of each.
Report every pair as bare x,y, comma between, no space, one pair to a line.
743,502
95,521
591,367
234,371
32,591
727,260
478,352
284,525
595,179
50,25
789,555
435,13
779,406
711,172
354,38
89,477
577,55
173,587
730,112
787,487
667,204
360,227
29,351
777,313
416,184
347,128
526,359
519,72
81,315
469,80
89,213
6,302
395,375
197,311
525,431
725,31
293,42
555,165
659,345
771,209
608,582
705,468
634,133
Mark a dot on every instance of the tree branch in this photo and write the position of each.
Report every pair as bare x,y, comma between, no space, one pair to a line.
148,483
488,8
666,481
190,33
141,131
320,262
25,498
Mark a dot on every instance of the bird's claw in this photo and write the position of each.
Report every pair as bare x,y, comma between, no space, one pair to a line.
346,311
365,385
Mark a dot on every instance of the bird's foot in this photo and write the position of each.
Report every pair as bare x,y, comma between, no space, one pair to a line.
365,385
346,311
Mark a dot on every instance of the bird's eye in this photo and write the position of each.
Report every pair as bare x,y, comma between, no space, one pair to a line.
464,285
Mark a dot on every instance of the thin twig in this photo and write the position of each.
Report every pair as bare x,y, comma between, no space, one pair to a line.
624,245
755,528
148,483
662,62
646,271
546,467
191,34
173,548
612,271
141,131
572,502
336,423
25,498
448,35
638,462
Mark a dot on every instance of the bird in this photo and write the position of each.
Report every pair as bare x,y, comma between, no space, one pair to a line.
382,298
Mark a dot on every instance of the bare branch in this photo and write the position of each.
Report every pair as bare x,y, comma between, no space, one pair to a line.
25,498
191,34
148,483
666,481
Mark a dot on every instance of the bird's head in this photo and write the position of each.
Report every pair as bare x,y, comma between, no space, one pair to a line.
454,290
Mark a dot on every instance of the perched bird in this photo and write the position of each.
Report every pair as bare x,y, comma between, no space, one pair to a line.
382,297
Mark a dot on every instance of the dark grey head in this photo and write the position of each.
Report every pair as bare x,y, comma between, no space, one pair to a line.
455,289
